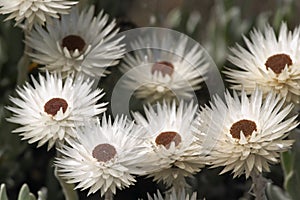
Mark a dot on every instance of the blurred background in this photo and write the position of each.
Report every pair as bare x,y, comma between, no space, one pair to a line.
215,24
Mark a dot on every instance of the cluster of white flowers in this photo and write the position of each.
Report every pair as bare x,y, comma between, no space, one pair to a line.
167,142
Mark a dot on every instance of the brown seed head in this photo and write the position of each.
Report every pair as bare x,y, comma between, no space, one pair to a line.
278,62
244,125
104,152
73,42
53,106
165,138
166,68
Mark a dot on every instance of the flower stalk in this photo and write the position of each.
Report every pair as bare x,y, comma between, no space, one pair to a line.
68,189
109,195
24,61
259,184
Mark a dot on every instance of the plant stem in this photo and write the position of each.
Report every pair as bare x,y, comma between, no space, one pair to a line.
22,69
259,184
108,195
68,189
23,62
83,4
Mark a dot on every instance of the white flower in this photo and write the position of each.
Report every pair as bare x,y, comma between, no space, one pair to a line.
172,69
175,152
34,11
271,63
49,110
179,195
104,157
251,132
76,42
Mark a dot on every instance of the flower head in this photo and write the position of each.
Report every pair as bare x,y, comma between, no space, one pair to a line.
270,63
179,195
175,151
172,69
50,109
78,42
34,11
251,131
104,157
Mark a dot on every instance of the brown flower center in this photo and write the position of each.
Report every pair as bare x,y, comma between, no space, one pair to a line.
278,62
53,106
164,67
104,152
165,138
73,42
244,125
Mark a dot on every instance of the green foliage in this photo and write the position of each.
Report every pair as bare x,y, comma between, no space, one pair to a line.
291,168
225,23
276,193
3,195
24,193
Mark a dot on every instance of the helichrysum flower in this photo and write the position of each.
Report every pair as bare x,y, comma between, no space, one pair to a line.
174,195
104,157
269,62
172,69
175,153
34,11
78,42
251,131
50,109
